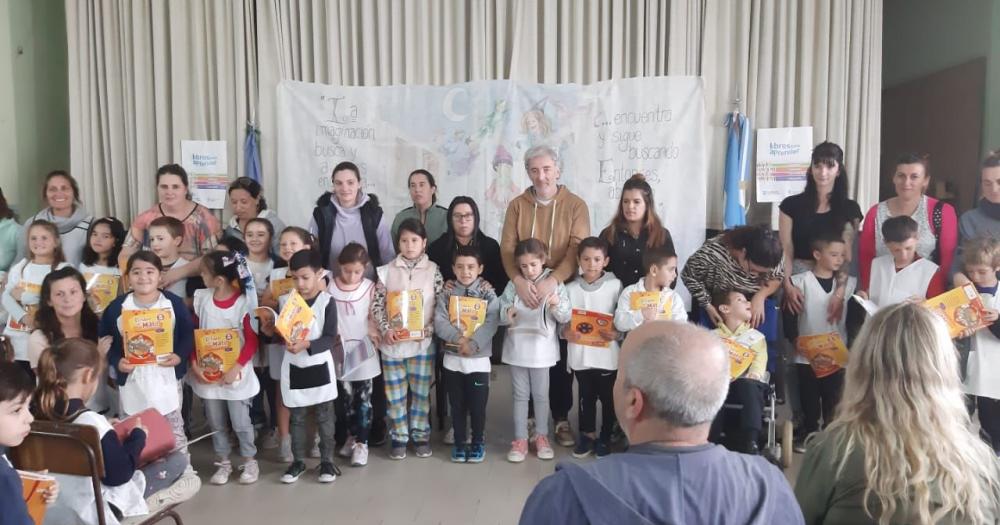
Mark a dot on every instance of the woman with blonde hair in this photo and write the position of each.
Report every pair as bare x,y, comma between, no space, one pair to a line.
900,449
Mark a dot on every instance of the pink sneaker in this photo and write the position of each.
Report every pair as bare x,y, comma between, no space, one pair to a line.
518,451
543,449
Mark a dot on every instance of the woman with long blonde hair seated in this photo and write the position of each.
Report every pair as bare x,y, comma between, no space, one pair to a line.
901,448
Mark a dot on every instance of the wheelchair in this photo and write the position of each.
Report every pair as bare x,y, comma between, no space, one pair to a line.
774,448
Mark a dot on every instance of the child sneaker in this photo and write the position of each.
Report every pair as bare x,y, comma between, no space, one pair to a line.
285,450
348,448
359,456
564,434
584,447
518,451
476,453
543,449
458,454
398,450
423,449
601,448
249,472
221,476
328,472
294,471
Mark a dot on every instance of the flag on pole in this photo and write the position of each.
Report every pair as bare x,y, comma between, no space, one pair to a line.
737,170
251,153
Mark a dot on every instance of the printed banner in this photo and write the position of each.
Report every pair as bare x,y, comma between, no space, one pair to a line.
783,158
473,138
206,164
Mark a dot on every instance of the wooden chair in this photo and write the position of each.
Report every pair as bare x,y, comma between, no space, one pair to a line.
74,450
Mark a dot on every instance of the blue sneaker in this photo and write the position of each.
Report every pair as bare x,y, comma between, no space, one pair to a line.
458,454
601,448
584,447
476,453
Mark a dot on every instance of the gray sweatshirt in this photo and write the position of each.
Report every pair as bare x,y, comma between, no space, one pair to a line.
482,339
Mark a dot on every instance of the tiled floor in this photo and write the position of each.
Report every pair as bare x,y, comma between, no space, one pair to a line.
414,490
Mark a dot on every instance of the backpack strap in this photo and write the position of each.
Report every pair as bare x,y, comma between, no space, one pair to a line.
937,220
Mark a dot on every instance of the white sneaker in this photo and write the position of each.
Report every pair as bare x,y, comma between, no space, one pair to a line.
347,450
250,471
183,489
314,453
285,450
449,437
221,476
359,456
270,440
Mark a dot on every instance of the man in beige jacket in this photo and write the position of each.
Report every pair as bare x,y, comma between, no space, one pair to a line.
552,214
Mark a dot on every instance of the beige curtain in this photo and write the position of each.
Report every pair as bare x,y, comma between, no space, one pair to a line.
146,74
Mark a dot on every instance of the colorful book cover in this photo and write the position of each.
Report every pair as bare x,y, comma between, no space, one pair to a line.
148,334
588,326
102,288
740,358
14,324
217,350
295,318
33,486
282,286
961,308
406,314
826,353
640,300
31,289
467,314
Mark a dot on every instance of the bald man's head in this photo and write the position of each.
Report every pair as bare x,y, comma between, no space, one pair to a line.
681,369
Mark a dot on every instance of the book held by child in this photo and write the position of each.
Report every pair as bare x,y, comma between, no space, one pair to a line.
217,349
406,314
147,335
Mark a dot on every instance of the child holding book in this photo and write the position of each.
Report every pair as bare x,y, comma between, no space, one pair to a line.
531,347
651,297
16,387
353,294
308,374
68,374
902,274
817,340
100,257
24,284
405,340
468,345
166,235
149,371
226,394
595,367
981,262
747,389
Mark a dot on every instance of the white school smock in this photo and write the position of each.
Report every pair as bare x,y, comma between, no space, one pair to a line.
260,271
397,277
531,340
292,395
889,287
27,273
982,376
352,324
276,351
600,296
627,319
815,300
152,385
211,316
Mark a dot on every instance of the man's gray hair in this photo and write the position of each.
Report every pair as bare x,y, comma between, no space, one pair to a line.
541,150
676,388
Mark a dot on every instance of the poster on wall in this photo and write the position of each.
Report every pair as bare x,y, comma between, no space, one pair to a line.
472,137
208,171
783,157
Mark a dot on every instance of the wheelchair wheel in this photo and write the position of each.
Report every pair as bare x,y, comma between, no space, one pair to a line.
786,444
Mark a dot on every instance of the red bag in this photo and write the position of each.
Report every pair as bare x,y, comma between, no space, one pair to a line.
160,439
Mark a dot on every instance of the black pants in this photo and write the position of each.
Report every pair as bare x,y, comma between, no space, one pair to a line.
440,386
468,394
560,388
819,396
380,407
750,395
258,414
989,420
596,385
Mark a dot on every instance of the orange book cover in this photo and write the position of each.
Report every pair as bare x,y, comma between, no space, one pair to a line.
467,314
217,350
961,308
740,358
826,353
282,286
406,314
588,325
102,288
294,320
148,335
33,486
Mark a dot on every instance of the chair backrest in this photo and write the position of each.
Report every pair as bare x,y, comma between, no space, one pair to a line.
61,448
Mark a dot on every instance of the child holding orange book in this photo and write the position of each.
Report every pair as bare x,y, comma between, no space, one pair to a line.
634,304
981,262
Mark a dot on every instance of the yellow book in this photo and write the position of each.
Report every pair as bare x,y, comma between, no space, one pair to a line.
740,358
640,300
33,487
102,288
294,320
826,353
589,324
961,308
467,314
406,314
282,286
148,335
217,350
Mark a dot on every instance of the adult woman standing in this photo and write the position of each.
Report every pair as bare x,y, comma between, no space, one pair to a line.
981,221
463,230
937,236
900,449
9,229
423,194
745,259
201,229
246,198
61,194
822,208
635,228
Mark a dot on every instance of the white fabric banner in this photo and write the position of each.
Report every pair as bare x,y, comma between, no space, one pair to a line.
473,137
